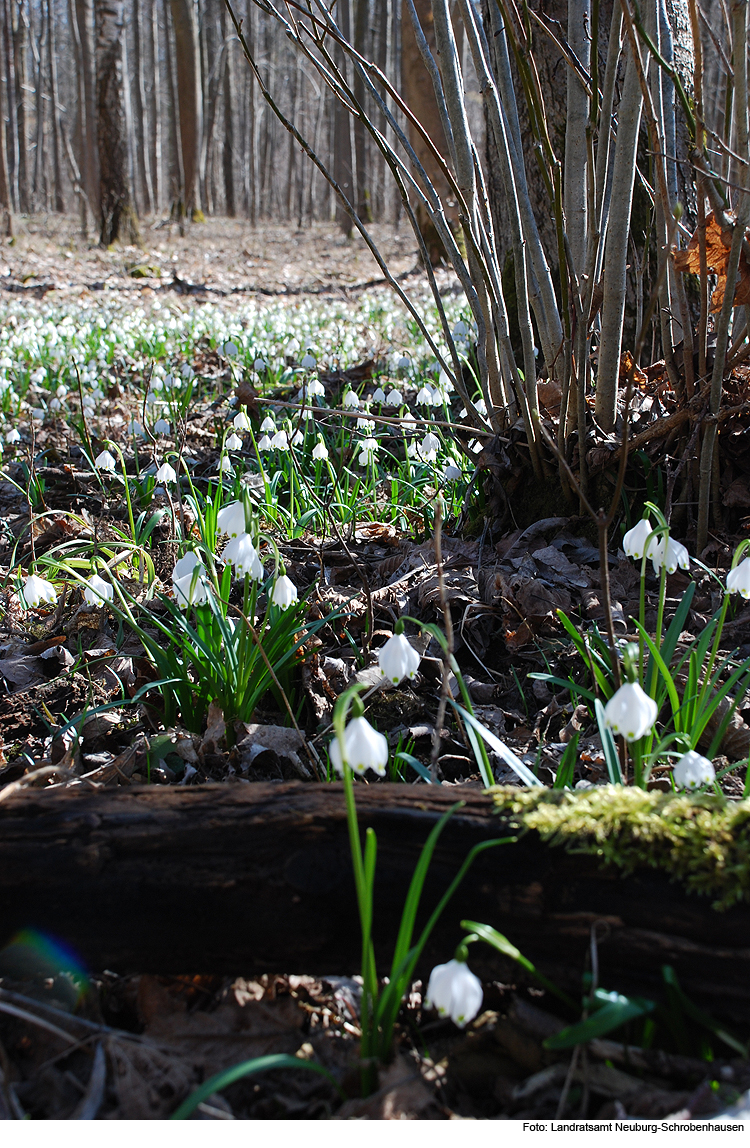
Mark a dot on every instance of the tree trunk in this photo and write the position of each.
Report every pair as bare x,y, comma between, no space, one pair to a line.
257,878
19,59
143,163
5,197
54,95
227,152
118,216
189,100
343,162
364,198
84,11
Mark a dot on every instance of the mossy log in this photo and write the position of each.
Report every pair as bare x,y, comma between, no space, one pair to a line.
249,878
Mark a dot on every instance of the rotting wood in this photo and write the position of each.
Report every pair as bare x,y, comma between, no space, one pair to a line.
246,878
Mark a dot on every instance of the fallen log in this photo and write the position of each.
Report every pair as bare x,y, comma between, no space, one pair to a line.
248,878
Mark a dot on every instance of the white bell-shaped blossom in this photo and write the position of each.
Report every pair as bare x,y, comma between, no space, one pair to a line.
365,424
284,592
315,388
451,473
455,992
260,365
424,396
429,447
188,581
364,748
369,449
37,590
280,441
404,362
135,428
166,473
224,465
398,659
106,461
692,771
350,400
378,395
394,398
635,540
234,442
241,552
264,443
298,438
445,382
230,350
98,591
308,362
241,421
630,712
268,426
161,426
670,554
231,519
320,451
460,330
13,436
738,580
187,371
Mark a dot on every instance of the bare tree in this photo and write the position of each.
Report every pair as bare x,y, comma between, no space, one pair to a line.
118,217
188,74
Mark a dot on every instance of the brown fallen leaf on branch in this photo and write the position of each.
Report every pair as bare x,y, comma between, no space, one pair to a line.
718,244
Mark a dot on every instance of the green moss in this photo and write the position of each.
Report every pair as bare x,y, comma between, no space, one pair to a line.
701,841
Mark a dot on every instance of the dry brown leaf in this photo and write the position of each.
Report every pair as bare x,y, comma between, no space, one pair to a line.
627,365
718,244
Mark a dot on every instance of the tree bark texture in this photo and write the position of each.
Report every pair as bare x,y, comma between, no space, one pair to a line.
115,203
258,877
187,61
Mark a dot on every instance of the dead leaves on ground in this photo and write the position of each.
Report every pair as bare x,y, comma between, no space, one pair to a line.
718,244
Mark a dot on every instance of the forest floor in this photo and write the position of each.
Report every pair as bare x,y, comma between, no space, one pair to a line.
507,569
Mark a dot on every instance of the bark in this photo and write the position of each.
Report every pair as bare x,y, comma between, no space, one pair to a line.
227,154
363,200
189,99
54,94
118,218
343,162
85,31
20,38
241,879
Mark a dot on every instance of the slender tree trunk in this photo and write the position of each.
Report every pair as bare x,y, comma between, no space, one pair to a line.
54,94
156,112
189,99
84,11
143,163
343,160
19,54
118,217
363,198
227,155
176,176
5,196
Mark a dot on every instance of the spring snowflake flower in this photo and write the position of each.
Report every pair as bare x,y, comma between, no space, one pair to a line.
445,383
231,519
404,362
738,580
241,552
264,443
268,426
630,712
671,555
161,426
13,436
350,400
315,388
260,365
692,771
166,473
189,582
135,428
369,449
320,451
231,350
224,465
284,592
280,441
298,438
451,473
379,395
635,540
429,447
241,421
394,398
38,590
398,659
424,396
98,591
308,362
455,992
460,330
364,747
234,442
106,462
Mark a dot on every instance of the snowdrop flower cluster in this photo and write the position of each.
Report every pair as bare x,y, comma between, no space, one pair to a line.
369,451
454,991
189,581
692,771
241,552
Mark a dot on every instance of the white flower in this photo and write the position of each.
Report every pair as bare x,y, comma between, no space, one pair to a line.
460,330
161,426
241,553
230,350
429,447
37,590
455,992
106,461
444,382
693,770
280,441
672,555
284,592
365,424
630,712
424,396
394,398
451,473
241,421
351,399
234,442
398,659
135,428
635,540
224,465
268,425
166,473
97,591
187,371
298,438
231,519
264,443
320,451
315,387
260,365
188,581
379,395
308,362
738,580
369,447
403,363
364,748
13,436
439,397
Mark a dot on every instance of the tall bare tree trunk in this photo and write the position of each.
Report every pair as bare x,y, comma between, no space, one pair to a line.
54,95
20,38
143,158
118,217
5,196
227,156
189,98
342,140
85,27
156,111
363,199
